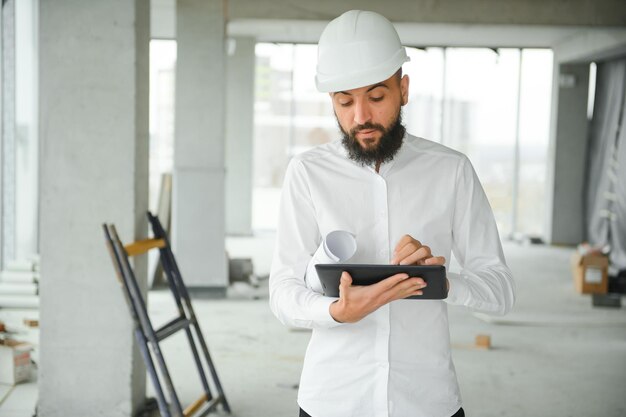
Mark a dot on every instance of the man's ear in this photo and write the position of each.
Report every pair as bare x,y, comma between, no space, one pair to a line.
404,89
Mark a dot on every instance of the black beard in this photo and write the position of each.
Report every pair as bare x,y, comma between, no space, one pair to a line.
389,144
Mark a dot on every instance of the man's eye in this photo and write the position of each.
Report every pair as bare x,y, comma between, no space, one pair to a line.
377,99
345,103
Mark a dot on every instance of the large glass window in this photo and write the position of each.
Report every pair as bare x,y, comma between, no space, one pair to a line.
480,111
290,116
20,141
492,105
162,86
534,135
423,114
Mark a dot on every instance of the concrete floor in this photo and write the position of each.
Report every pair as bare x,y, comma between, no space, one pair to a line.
554,355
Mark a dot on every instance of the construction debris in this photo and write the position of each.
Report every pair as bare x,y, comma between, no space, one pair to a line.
15,363
483,341
19,284
31,322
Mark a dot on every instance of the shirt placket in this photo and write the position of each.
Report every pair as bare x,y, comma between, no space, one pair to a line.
381,240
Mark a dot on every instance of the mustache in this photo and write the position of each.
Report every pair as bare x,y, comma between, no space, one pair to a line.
366,126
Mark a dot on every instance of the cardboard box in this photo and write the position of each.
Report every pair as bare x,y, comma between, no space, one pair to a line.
15,365
590,273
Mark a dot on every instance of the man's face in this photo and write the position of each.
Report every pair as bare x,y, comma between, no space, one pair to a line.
369,118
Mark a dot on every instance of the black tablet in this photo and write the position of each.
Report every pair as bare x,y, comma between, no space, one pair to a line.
364,274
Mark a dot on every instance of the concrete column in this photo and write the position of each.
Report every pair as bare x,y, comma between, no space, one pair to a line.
93,76
568,151
7,144
198,191
239,131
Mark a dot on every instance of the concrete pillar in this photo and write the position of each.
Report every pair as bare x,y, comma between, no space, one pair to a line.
568,152
198,190
93,76
239,131
7,144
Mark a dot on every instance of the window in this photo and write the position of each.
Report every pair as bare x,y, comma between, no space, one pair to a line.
534,136
162,95
290,116
492,105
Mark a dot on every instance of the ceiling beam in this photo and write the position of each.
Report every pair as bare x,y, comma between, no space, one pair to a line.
503,12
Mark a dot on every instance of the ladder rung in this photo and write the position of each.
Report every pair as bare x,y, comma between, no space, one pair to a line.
193,407
142,246
172,327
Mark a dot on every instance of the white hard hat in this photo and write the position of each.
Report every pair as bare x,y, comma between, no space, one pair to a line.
357,49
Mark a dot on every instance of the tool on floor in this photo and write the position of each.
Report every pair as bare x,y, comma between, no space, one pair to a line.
149,338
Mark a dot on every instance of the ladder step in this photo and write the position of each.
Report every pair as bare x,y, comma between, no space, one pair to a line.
143,246
195,406
172,327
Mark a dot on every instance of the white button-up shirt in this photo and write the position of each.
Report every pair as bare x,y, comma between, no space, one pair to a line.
397,360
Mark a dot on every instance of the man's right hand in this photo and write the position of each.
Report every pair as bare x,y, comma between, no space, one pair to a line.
357,301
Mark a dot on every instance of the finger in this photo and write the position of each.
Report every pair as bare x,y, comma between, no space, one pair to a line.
405,289
414,291
404,240
344,284
346,280
416,256
418,283
435,260
410,285
405,251
391,282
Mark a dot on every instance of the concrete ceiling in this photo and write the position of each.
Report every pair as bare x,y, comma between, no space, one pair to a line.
505,12
576,29
413,34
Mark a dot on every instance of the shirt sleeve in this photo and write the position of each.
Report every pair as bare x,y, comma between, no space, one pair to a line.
485,283
297,239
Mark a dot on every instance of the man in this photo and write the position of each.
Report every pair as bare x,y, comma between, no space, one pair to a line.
372,353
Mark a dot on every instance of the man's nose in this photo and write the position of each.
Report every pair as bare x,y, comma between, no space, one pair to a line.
362,113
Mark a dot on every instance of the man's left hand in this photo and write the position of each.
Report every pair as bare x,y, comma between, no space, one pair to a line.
410,251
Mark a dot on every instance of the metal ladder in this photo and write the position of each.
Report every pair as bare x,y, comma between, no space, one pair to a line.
149,338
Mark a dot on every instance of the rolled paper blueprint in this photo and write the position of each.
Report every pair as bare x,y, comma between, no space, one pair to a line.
338,246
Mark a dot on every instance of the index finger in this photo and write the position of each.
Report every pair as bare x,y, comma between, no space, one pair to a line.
405,240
